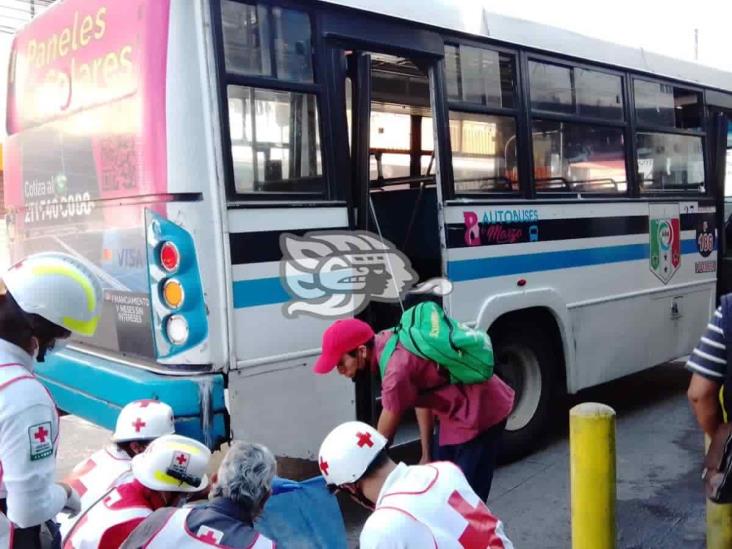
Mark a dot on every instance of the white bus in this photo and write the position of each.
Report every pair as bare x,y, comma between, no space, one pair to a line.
570,189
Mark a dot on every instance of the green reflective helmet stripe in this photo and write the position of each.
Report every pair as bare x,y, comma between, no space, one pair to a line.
83,327
65,270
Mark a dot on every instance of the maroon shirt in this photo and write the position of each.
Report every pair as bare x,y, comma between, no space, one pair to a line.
464,411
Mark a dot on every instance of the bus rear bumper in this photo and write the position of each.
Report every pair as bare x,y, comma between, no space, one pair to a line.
96,389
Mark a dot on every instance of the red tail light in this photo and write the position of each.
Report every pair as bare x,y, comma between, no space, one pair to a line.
169,257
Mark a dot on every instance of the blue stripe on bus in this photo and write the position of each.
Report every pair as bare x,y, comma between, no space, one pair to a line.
269,291
487,267
259,291
472,269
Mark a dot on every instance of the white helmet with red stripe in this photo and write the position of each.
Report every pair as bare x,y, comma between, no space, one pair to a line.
347,452
144,420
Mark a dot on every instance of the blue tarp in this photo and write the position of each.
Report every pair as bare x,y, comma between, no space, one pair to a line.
306,516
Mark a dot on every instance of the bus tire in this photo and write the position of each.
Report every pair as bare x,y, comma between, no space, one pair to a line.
527,361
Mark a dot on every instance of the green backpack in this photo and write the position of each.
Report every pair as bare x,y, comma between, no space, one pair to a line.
426,331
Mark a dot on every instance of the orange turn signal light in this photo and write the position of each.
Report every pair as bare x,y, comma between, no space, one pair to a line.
173,294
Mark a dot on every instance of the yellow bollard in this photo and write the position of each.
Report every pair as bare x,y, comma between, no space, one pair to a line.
592,475
719,520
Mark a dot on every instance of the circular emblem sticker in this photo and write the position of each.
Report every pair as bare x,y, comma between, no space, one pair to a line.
665,235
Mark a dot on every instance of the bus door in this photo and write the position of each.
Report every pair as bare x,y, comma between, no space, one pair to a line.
388,81
721,164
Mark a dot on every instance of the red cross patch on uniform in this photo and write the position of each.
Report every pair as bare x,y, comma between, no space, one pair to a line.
180,462
41,441
211,535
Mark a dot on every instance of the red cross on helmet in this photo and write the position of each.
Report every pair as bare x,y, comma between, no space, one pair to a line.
347,452
143,420
173,463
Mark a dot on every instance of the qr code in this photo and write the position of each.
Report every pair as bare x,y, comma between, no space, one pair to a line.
119,163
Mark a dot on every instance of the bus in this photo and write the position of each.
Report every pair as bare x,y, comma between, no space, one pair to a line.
569,190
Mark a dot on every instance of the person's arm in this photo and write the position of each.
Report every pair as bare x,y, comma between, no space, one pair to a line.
388,423
703,395
708,363
398,393
426,422
29,467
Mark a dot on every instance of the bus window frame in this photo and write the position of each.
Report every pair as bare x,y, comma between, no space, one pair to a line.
624,123
329,193
449,190
651,128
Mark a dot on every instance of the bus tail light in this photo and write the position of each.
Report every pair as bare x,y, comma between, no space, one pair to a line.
179,314
173,294
169,257
176,328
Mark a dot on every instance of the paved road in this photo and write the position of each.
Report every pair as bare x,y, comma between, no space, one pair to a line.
659,453
660,502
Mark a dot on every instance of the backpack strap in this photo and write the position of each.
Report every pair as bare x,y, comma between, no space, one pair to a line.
385,356
386,353
726,306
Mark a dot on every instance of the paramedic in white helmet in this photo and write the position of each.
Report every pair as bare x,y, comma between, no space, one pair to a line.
242,487
414,506
138,424
171,469
43,300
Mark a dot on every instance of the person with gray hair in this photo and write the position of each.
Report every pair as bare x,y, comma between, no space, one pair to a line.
241,488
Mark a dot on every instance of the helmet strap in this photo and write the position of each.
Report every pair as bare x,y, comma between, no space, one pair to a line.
356,494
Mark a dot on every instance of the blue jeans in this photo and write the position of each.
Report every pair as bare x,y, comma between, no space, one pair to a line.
476,457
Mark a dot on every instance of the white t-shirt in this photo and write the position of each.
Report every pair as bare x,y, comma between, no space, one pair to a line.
431,506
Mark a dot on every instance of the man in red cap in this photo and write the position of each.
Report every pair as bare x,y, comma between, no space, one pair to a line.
471,417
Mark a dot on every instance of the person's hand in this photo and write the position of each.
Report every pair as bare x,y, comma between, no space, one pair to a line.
72,507
425,459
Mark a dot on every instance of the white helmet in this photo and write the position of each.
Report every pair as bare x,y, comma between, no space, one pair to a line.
347,452
173,463
144,420
59,288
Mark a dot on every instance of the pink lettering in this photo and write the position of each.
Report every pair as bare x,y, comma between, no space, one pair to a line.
498,234
472,229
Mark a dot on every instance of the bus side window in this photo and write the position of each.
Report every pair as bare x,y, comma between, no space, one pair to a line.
669,160
275,141
275,144
483,144
577,156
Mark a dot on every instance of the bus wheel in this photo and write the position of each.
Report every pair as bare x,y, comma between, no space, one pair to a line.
526,361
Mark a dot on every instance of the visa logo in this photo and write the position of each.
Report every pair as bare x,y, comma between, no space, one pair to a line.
131,258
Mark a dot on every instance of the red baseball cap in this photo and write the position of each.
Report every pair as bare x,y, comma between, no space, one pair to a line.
340,337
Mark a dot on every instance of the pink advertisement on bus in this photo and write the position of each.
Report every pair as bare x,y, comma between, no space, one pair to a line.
87,147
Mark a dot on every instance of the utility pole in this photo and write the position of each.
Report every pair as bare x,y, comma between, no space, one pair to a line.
696,44
32,8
